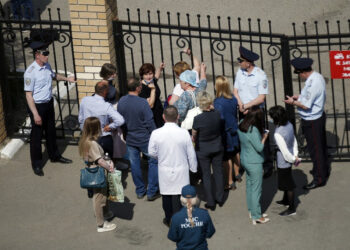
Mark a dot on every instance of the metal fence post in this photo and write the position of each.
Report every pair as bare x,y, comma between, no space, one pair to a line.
120,57
287,76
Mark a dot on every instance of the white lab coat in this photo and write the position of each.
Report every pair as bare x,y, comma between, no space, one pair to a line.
173,148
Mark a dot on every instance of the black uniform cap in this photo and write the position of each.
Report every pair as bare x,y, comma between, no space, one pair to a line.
247,55
301,64
37,45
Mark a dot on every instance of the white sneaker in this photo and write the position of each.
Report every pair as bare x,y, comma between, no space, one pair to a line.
107,226
262,215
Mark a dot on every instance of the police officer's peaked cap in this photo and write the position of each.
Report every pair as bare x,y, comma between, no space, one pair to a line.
247,54
37,45
188,191
301,64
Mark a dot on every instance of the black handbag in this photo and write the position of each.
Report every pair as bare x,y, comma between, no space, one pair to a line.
122,164
92,178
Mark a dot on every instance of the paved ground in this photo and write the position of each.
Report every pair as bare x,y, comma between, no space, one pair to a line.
52,212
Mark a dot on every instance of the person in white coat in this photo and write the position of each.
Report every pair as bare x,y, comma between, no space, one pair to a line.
173,148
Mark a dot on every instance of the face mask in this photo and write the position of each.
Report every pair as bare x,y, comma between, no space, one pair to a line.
148,82
111,78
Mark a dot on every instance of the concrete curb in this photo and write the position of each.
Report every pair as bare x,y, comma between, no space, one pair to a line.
12,147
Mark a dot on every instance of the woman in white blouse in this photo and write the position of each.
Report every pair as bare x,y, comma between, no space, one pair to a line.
287,154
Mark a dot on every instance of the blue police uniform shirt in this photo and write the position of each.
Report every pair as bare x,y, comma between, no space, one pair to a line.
250,86
38,80
188,237
313,96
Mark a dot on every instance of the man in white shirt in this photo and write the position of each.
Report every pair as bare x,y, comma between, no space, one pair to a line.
173,148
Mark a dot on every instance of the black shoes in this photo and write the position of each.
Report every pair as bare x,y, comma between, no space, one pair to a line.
312,185
63,160
288,212
212,208
38,171
165,222
282,203
154,197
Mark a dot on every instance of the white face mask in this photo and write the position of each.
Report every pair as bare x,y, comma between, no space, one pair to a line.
111,78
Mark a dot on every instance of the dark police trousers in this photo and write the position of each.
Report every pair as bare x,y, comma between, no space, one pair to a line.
47,114
315,135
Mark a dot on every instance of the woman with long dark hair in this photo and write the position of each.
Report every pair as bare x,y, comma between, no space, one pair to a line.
252,138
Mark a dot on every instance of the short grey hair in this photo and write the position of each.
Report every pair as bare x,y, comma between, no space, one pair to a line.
204,100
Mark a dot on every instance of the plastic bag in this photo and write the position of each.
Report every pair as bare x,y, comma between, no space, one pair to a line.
116,190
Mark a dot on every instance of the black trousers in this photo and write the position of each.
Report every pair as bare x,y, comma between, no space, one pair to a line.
171,205
315,135
204,161
106,142
47,114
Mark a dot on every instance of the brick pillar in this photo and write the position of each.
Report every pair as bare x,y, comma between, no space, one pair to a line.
92,39
2,120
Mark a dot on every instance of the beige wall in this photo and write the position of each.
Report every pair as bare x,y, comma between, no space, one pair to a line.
92,39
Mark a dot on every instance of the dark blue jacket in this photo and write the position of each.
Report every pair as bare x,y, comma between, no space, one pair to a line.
188,237
228,111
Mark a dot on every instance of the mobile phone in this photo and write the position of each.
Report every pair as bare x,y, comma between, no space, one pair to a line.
267,131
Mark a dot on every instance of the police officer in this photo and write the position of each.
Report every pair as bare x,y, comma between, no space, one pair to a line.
38,88
310,105
251,84
250,88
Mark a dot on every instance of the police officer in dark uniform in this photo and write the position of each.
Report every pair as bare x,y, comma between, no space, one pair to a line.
38,87
310,105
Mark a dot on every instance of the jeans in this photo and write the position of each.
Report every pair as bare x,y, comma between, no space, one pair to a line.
134,158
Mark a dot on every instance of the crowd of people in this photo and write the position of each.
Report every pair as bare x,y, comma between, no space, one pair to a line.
225,136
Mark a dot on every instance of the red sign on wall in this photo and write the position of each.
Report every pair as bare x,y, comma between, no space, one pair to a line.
340,64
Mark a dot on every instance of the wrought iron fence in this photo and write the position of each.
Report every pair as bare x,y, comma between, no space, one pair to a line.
15,57
215,41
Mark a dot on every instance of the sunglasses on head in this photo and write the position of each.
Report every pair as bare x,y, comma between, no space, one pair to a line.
44,52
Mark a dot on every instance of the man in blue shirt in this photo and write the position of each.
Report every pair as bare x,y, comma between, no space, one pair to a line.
191,226
310,105
38,88
139,125
109,118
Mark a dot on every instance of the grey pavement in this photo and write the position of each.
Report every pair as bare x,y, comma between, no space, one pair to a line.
53,212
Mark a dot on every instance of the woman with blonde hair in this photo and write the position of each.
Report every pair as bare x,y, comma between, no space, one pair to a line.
206,133
226,104
92,154
191,226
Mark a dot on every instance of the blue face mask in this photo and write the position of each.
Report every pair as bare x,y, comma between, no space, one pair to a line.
148,82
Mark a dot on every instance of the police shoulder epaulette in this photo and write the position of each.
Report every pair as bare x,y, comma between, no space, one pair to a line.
30,69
